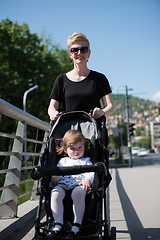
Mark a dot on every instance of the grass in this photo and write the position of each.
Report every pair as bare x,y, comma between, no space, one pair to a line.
26,187
119,160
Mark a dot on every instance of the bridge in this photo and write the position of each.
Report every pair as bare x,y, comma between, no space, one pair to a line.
124,212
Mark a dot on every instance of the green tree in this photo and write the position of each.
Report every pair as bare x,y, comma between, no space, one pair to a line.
145,142
116,141
24,56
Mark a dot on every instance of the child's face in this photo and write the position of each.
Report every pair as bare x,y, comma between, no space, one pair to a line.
76,150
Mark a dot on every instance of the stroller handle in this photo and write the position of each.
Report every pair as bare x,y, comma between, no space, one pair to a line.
38,172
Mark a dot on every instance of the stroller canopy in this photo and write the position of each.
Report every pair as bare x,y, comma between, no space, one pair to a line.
81,121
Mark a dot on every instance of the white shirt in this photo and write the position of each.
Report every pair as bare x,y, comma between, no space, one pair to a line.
71,181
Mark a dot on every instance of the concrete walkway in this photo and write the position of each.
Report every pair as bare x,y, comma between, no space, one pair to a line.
117,218
135,202
19,228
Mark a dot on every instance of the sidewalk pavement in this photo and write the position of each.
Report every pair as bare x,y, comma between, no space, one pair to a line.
135,201
16,228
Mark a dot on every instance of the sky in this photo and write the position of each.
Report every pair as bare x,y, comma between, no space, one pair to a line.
124,36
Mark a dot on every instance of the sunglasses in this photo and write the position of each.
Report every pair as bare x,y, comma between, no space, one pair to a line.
82,50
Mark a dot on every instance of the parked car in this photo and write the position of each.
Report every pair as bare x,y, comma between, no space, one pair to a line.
142,152
135,150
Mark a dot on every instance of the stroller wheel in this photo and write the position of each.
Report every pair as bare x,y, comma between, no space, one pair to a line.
37,237
113,233
100,237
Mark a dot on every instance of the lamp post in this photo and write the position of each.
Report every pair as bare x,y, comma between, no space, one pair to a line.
128,132
33,84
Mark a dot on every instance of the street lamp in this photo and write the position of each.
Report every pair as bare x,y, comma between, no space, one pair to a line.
33,84
128,123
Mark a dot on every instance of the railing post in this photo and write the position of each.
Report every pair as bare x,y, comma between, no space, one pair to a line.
34,196
9,199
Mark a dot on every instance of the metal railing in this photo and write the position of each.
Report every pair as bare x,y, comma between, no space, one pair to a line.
12,175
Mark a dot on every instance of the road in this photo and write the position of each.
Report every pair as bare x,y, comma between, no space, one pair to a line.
150,159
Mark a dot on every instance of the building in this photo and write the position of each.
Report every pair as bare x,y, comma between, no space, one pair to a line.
155,133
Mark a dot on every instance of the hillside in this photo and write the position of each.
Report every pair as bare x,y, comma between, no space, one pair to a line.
135,104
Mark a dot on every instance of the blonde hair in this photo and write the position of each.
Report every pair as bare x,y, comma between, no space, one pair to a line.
77,37
70,138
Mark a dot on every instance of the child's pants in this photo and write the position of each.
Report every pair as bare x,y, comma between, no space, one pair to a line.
78,196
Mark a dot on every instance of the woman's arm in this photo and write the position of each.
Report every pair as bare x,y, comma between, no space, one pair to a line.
108,107
53,110
108,104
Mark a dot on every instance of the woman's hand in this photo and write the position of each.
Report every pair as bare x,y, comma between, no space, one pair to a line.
54,115
55,180
53,110
97,113
108,107
86,184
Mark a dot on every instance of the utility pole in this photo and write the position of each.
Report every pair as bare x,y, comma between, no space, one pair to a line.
33,85
128,133
121,138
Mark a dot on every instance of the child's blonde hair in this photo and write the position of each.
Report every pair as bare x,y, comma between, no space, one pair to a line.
77,37
70,138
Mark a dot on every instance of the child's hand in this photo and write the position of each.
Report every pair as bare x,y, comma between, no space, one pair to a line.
55,180
86,184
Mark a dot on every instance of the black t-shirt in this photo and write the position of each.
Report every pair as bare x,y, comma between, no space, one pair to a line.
80,96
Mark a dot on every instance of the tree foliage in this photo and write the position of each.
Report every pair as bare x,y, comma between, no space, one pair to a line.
115,142
25,55
145,142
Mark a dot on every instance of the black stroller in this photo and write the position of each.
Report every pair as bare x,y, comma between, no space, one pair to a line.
95,224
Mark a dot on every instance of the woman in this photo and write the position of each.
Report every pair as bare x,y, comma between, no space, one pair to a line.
80,89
